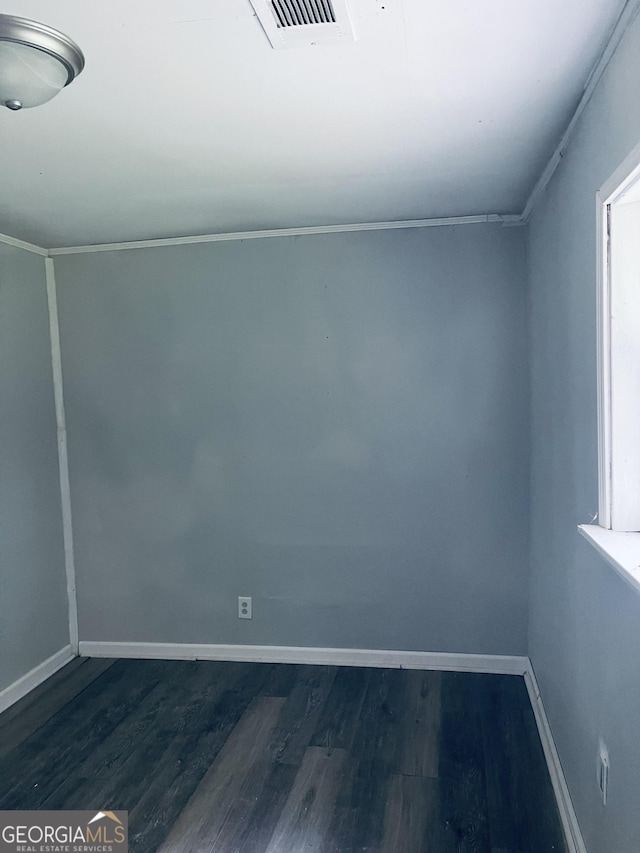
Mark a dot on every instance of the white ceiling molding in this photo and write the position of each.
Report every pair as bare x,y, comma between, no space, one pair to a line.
290,232
627,17
22,244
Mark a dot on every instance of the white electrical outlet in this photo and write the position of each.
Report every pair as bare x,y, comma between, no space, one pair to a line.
244,607
603,771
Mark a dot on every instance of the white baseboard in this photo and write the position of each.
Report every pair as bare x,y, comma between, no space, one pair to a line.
563,797
34,677
510,665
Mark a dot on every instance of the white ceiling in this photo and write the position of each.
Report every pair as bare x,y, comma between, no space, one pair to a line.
186,121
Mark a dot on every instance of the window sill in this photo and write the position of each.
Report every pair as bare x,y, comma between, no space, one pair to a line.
621,550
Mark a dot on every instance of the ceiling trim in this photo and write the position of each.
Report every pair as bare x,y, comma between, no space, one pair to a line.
626,18
290,232
22,244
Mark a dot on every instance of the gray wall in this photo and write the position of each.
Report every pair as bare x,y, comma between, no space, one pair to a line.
33,601
335,425
585,621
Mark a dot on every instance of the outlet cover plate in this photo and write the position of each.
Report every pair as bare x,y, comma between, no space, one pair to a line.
245,609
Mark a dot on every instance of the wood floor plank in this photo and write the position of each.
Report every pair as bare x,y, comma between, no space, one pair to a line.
30,756
267,811
281,679
157,780
218,799
301,712
257,810
413,819
518,817
50,755
36,695
307,814
21,720
340,714
461,765
160,709
357,821
361,800
508,799
420,725
378,737
132,747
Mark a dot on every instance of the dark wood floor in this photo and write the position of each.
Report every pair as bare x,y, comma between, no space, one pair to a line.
261,758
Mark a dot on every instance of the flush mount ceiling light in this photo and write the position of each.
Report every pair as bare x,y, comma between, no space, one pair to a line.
36,62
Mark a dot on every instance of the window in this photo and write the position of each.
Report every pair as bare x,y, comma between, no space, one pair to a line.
617,534
620,361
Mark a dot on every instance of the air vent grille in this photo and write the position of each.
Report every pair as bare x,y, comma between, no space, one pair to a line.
300,13
304,23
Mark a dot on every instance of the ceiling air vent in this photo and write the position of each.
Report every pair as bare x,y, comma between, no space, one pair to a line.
302,23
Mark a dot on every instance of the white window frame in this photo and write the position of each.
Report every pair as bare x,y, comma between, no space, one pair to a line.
621,547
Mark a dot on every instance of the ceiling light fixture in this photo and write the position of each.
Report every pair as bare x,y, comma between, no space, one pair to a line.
36,62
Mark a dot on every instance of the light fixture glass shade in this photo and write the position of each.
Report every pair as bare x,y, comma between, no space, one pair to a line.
29,76
36,62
